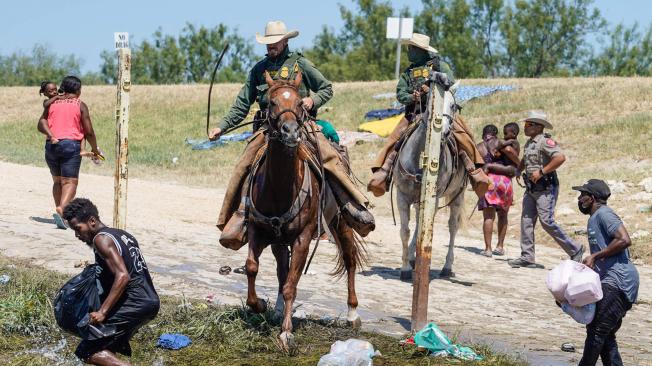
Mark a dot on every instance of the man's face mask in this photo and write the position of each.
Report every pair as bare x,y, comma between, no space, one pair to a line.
416,55
584,203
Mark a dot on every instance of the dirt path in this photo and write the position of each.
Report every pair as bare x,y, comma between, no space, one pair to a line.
487,301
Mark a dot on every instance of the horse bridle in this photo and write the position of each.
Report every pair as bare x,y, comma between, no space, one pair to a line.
273,118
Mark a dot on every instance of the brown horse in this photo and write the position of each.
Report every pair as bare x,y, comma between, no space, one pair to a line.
283,205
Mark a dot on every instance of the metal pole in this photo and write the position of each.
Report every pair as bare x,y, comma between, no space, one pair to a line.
121,139
398,49
427,207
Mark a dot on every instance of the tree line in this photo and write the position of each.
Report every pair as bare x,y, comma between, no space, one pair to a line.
479,38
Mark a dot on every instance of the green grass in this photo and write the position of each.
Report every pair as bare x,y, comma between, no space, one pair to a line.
221,335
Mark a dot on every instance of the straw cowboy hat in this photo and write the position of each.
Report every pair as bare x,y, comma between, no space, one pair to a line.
275,31
421,41
538,117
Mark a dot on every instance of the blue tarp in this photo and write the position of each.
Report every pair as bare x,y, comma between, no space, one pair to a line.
207,145
463,94
383,113
467,92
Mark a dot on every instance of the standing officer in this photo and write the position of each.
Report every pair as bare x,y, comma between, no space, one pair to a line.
283,64
541,159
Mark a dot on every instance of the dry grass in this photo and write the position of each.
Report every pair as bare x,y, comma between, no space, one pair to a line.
603,125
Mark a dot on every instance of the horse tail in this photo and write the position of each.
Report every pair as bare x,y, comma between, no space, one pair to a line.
358,248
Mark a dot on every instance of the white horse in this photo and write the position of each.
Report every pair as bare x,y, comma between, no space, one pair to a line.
451,183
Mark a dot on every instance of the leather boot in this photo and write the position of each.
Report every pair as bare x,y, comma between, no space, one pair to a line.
357,216
480,182
234,235
379,180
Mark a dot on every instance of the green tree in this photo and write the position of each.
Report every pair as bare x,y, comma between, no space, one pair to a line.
190,57
627,53
448,24
485,19
360,51
39,65
548,37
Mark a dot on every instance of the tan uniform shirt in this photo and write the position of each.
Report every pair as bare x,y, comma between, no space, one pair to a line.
538,152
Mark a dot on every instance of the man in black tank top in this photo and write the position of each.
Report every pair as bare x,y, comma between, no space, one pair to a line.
128,297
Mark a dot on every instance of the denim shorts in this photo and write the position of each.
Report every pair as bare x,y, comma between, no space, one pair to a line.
63,158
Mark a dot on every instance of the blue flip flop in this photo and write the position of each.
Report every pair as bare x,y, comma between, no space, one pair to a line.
59,221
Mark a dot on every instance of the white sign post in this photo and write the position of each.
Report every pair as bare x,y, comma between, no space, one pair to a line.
399,28
122,129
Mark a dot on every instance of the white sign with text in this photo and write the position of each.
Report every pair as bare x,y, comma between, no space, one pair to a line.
121,40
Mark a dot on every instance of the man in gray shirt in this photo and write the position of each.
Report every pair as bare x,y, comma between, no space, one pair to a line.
608,240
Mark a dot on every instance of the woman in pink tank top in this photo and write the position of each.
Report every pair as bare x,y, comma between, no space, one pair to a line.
66,122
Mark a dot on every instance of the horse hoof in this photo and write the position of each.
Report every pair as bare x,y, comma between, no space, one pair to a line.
446,273
406,275
260,306
287,341
355,324
412,264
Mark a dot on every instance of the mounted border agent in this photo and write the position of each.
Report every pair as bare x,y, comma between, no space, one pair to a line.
281,63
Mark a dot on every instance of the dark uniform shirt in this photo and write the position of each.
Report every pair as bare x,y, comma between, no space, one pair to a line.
284,67
538,152
416,75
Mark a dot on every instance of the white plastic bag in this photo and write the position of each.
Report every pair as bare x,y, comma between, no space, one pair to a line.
584,286
557,279
582,315
352,352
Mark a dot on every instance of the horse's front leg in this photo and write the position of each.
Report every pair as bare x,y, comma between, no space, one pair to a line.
412,249
282,255
403,206
453,225
300,249
255,248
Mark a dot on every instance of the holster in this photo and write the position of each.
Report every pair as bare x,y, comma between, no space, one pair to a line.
543,184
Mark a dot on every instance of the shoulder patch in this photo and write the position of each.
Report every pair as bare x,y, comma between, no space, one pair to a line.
550,142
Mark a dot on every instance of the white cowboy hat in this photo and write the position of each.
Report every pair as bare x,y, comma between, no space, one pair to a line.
275,31
421,41
538,117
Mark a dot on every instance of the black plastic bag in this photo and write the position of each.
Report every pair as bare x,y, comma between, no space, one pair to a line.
75,300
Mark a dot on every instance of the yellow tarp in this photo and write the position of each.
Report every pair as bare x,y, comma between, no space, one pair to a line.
381,127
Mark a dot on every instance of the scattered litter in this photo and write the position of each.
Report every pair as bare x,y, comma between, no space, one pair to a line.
646,184
438,344
82,263
210,298
202,306
617,186
300,314
640,234
645,209
581,232
207,144
175,160
173,341
4,279
568,347
352,352
239,270
385,96
225,270
350,138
